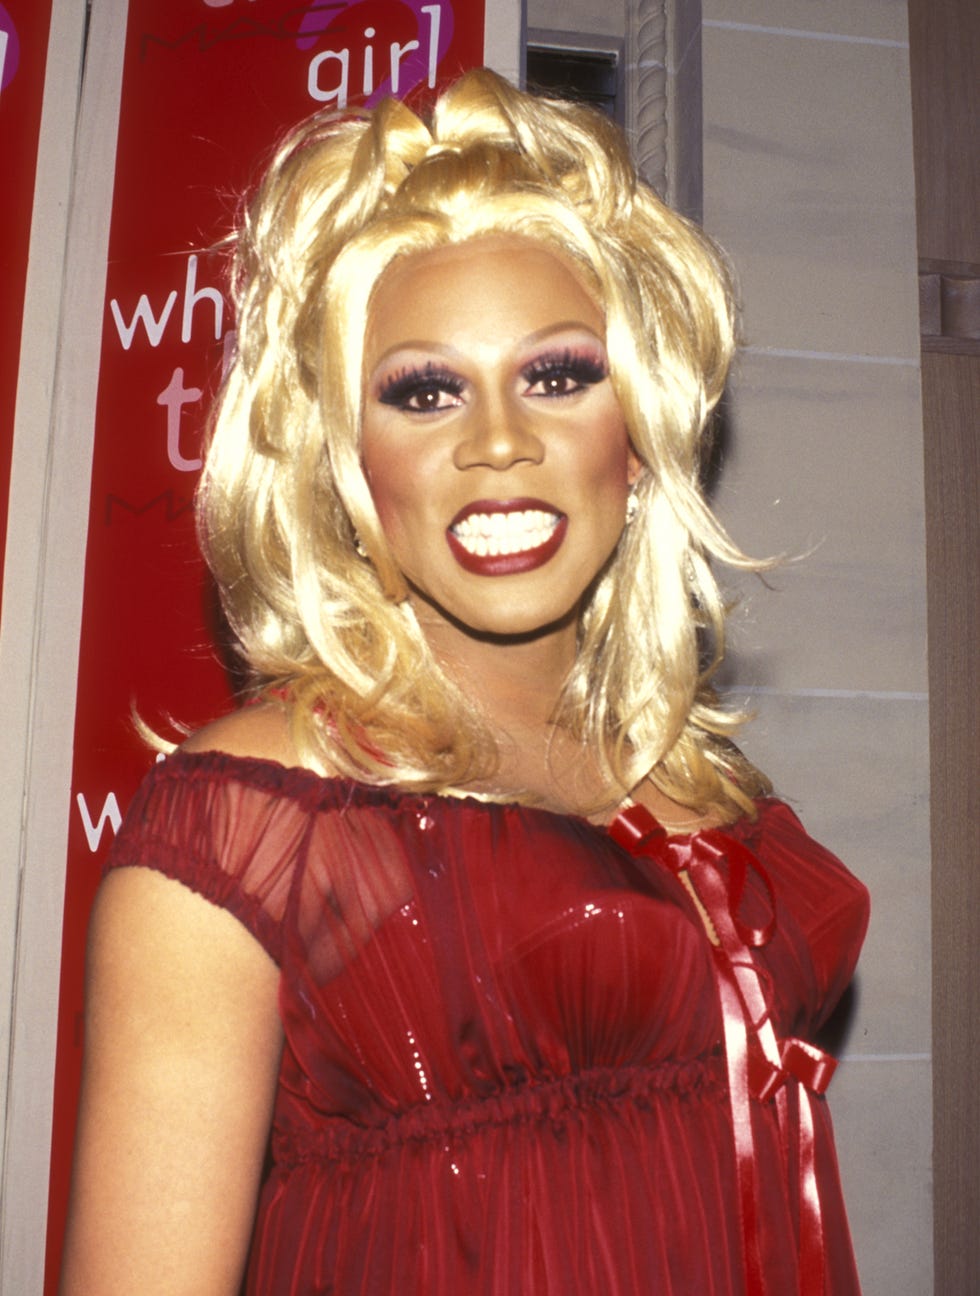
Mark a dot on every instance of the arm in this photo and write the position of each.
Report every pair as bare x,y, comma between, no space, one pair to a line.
181,1055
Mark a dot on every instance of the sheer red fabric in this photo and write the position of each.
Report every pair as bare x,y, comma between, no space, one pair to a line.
505,1070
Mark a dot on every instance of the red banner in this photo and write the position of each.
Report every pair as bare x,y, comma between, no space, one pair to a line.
24,26
208,87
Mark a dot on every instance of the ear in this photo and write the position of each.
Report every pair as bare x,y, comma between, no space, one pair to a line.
634,466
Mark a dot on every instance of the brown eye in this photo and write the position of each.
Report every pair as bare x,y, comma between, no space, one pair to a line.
559,384
429,398
564,374
421,391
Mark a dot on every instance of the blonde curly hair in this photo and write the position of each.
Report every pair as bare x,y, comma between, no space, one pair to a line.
283,494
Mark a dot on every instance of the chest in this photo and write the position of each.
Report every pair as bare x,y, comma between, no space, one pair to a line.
435,956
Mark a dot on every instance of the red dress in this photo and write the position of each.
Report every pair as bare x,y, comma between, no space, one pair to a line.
505,1066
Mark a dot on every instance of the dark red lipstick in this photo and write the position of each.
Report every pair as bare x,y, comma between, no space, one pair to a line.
458,535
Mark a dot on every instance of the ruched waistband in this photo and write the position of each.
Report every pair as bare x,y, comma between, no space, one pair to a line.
555,1100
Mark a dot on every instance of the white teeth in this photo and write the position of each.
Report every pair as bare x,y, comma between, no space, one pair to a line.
492,534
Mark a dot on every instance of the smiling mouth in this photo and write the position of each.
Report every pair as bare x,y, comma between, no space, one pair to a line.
503,539
491,535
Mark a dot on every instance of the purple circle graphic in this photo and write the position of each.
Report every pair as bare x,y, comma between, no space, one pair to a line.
9,48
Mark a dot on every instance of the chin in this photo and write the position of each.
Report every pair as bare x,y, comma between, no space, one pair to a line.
516,627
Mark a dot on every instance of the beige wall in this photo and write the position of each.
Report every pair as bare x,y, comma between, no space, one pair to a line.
45,546
595,17
808,183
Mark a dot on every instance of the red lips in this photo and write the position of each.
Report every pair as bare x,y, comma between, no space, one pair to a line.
509,564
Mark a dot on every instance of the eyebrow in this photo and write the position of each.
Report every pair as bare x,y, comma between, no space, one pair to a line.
450,352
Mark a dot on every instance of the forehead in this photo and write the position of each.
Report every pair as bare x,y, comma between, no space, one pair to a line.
503,284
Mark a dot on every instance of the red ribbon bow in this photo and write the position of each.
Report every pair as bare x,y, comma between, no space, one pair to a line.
758,1064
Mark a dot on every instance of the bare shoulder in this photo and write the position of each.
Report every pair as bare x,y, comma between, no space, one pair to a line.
262,731
676,818
182,1043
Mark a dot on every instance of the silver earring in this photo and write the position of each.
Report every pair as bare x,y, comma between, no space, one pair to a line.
632,505
359,546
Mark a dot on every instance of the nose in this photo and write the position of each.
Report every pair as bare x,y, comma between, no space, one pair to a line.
497,433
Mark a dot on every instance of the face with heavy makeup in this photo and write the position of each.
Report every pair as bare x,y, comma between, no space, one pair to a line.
492,440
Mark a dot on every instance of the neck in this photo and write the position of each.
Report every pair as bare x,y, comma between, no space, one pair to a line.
515,680
517,684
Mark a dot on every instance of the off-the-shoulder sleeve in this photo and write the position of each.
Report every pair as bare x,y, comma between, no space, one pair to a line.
822,899
234,841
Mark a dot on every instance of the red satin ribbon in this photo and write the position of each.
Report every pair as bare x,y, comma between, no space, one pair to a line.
758,1064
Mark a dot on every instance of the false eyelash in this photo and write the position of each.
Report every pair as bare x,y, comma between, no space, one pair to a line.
399,388
585,367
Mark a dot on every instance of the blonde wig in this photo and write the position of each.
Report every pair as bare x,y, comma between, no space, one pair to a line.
284,507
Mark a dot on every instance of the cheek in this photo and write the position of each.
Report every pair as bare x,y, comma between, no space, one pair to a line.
389,500
397,481
385,474
613,466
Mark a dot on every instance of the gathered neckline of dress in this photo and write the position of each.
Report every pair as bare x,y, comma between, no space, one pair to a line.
298,779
